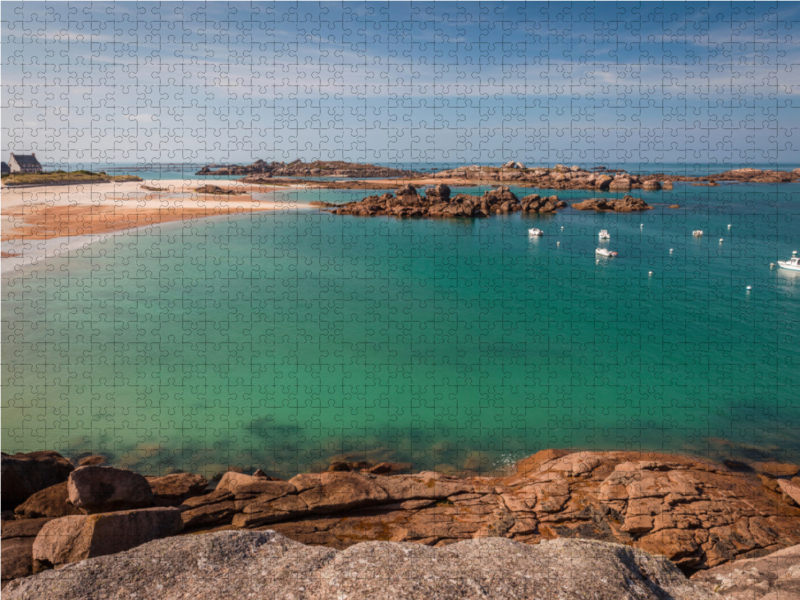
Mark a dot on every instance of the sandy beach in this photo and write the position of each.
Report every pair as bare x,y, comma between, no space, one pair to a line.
41,221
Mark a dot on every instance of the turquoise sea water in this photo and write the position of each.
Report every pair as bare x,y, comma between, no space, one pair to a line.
283,339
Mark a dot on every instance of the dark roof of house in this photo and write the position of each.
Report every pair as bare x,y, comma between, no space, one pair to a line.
4,168
26,160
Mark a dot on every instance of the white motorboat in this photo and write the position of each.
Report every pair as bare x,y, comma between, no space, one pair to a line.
793,264
536,232
605,252
697,233
604,235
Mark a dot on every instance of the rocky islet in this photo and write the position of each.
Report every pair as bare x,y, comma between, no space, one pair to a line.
439,202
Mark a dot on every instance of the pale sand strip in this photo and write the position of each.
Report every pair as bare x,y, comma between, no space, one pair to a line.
40,222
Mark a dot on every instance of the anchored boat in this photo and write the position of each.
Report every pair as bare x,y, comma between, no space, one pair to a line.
604,235
605,252
535,231
793,264
697,233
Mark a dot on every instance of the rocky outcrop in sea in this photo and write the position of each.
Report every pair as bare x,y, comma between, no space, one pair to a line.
625,204
438,202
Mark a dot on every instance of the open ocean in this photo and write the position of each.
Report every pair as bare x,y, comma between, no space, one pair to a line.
283,339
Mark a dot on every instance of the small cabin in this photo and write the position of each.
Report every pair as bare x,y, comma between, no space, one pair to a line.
24,163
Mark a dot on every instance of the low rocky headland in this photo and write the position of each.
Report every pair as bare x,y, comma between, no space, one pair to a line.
439,202
644,521
560,177
261,170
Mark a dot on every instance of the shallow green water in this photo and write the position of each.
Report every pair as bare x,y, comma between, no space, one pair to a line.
287,338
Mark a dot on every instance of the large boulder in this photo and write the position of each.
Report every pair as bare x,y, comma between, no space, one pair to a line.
17,558
49,502
439,193
172,490
265,565
621,184
75,538
97,489
25,474
407,191
501,195
17,547
772,577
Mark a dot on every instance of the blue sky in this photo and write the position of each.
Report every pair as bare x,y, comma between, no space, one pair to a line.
430,82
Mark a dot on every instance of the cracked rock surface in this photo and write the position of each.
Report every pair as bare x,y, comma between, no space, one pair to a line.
256,565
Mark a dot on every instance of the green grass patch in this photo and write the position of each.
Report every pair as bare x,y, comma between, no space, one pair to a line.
64,178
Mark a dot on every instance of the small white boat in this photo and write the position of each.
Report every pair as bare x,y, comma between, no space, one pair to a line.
793,264
605,252
535,231
697,233
604,235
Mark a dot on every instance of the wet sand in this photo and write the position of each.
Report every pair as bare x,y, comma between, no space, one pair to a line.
38,220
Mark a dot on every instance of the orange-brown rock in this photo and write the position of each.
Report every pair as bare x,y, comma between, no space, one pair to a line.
70,539
95,459
777,469
49,502
17,547
25,474
173,489
625,204
526,465
697,512
438,203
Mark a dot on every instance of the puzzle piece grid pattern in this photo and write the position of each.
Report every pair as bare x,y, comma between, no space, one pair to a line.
447,83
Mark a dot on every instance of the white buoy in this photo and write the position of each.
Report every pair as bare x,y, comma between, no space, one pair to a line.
720,240
729,225
650,273
562,228
670,250
597,262
558,243
749,287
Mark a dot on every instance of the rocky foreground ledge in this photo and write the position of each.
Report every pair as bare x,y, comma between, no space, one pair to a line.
266,565
694,512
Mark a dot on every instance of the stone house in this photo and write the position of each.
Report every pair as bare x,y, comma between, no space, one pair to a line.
24,163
